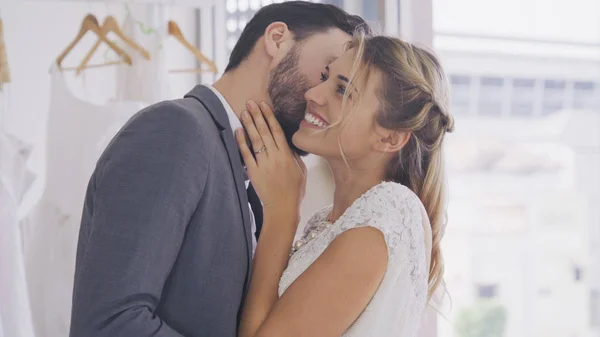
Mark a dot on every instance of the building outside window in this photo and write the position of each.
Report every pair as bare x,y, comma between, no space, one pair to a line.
487,291
523,97
526,100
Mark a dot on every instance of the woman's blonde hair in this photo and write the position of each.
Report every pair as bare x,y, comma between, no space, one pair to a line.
414,97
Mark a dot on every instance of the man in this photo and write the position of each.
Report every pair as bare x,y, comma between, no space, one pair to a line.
166,237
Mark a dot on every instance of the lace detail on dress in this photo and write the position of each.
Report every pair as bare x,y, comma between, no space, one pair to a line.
316,219
395,210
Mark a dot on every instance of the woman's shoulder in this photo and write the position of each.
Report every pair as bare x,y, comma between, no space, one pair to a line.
390,196
390,207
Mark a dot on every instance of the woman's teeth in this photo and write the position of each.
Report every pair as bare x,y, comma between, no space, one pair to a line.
314,120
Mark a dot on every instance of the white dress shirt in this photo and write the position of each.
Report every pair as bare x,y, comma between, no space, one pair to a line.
236,124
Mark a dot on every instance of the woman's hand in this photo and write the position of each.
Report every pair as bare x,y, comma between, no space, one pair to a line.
277,174
279,178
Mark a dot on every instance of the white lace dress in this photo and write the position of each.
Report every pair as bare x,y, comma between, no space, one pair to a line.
397,306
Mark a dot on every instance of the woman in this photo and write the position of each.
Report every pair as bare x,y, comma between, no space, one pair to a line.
368,264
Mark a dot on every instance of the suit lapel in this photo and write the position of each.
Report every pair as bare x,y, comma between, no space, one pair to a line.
212,103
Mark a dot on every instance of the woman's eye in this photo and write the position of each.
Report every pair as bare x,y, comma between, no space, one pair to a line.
323,77
341,89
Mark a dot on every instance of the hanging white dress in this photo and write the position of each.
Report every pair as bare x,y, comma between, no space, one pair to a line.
145,80
15,181
76,136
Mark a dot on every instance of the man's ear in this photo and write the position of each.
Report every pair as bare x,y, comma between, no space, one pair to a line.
276,34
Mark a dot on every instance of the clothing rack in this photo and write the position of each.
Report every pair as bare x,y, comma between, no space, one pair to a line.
183,3
154,13
157,10
4,70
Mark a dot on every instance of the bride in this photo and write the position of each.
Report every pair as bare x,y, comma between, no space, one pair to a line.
369,264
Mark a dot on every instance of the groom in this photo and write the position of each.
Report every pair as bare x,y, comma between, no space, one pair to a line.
167,232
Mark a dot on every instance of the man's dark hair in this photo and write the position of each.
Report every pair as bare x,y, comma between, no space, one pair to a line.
302,18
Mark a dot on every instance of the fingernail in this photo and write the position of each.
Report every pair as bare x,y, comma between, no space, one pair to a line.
250,104
264,105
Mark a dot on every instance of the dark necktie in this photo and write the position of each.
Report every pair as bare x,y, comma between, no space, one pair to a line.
256,206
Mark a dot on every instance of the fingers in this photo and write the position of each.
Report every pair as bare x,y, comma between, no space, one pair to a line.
276,130
255,138
244,149
261,125
301,164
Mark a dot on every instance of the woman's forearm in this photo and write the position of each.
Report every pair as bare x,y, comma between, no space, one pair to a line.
270,260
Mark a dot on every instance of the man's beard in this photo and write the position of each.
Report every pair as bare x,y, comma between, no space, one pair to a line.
287,87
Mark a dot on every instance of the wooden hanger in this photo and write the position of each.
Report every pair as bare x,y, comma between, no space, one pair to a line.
90,23
111,25
4,70
176,33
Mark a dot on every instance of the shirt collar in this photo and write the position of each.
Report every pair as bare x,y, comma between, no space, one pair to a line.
234,121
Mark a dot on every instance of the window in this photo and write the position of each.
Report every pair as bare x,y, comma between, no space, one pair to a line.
491,96
523,97
487,291
460,94
523,142
586,95
238,14
554,96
